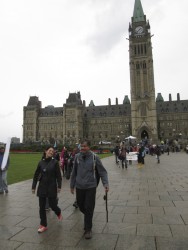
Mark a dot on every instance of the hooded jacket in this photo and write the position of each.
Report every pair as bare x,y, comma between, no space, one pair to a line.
83,173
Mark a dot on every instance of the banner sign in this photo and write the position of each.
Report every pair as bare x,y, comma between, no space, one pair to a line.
132,156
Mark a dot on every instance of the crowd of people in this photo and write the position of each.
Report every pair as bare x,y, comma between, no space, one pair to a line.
122,150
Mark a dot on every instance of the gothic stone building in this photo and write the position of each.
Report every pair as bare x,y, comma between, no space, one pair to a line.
145,116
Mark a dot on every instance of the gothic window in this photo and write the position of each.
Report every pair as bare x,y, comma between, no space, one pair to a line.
144,65
145,49
141,49
135,50
137,66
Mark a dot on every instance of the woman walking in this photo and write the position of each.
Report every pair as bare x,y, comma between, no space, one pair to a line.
49,176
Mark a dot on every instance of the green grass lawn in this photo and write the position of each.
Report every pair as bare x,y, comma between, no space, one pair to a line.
22,166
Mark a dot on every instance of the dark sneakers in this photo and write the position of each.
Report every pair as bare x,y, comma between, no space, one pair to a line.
88,235
75,204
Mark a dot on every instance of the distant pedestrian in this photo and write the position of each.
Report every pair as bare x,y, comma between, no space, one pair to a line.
64,160
141,156
49,176
168,149
122,155
158,153
116,152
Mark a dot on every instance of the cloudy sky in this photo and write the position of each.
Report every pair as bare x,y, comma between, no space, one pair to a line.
50,48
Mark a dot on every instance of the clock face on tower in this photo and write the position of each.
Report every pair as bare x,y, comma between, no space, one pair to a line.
139,30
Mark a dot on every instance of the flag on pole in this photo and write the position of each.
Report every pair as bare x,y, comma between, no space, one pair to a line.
6,154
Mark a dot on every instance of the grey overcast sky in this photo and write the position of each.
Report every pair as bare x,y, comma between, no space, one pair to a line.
50,48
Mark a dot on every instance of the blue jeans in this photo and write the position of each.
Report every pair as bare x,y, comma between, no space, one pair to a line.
3,181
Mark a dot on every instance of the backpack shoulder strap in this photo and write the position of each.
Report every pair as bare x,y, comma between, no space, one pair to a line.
94,160
77,160
94,164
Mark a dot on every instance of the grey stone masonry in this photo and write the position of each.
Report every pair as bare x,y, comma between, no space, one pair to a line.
147,209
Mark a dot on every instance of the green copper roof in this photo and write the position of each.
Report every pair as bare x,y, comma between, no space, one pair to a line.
126,100
91,104
138,14
159,98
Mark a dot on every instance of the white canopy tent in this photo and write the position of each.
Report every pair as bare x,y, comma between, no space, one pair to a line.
130,137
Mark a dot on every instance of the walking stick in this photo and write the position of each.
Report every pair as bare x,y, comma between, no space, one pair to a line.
106,199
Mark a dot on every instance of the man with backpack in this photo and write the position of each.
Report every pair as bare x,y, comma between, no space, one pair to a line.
87,171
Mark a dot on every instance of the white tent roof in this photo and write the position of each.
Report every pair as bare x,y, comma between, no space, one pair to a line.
130,137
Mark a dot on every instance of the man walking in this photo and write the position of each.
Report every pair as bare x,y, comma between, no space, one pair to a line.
87,168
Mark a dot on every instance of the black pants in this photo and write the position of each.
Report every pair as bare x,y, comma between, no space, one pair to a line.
86,204
116,158
124,160
42,210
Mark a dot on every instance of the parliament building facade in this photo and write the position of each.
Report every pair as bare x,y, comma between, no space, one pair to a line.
145,116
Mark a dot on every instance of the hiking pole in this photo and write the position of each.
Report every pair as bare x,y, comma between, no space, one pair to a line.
106,199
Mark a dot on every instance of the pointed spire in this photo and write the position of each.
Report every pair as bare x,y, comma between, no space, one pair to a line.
126,100
159,98
91,104
138,14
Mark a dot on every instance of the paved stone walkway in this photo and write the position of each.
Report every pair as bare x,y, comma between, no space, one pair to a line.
148,210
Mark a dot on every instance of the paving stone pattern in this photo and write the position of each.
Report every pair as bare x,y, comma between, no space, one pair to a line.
147,210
